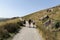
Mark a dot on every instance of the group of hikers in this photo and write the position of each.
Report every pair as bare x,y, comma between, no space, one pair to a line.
29,23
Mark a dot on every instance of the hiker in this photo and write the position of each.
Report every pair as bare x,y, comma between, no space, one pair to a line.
27,24
30,21
24,22
34,25
31,25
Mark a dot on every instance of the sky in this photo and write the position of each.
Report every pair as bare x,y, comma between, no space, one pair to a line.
13,8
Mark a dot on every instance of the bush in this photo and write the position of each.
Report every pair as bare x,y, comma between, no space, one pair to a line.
12,28
20,23
8,27
4,34
57,25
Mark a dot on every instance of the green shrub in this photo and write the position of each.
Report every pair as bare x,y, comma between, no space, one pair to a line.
20,23
12,28
4,34
57,25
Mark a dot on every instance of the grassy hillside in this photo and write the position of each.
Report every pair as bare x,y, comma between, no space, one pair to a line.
38,14
54,15
9,27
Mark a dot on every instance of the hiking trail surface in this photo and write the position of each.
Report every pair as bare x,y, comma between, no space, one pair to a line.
27,33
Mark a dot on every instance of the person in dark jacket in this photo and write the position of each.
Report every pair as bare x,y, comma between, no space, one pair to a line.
30,21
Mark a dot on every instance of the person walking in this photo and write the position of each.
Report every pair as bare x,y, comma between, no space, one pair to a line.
30,21
34,25
31,25
27,24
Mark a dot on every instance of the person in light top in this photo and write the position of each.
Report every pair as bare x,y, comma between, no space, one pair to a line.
31,25
27,24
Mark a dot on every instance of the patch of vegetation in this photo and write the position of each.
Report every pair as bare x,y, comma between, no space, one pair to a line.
48,34
12,28
57,24
9,27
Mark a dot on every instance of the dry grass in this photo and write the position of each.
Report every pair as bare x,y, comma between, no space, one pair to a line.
7,27
47,33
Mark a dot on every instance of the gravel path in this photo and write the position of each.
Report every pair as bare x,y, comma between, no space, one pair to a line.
27,34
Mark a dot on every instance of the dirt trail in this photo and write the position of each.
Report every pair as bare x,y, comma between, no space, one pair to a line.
28,34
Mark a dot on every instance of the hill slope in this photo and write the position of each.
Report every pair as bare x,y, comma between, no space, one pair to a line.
54,14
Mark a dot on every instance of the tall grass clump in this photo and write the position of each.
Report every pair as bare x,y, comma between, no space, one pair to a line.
9,27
